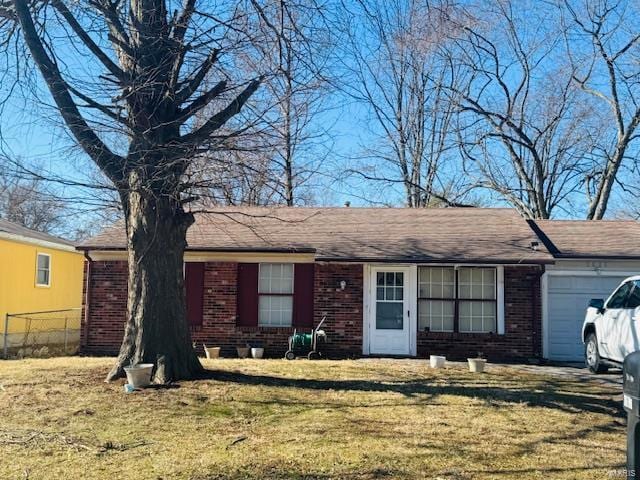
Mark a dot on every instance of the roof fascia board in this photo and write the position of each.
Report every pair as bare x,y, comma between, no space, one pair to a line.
38,242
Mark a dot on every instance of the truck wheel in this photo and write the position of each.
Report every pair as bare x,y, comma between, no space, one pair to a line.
592,356
290,355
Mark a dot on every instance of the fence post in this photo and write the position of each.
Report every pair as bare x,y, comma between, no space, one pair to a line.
65,334
5,344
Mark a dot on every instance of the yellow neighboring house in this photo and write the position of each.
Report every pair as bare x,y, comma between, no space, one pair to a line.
40,292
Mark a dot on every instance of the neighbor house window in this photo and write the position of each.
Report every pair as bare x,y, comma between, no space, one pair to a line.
462,299
43,270
275,291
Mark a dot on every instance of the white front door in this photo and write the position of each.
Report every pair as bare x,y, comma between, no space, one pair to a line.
389,322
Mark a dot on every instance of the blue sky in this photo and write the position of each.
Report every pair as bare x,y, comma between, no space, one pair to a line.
32,132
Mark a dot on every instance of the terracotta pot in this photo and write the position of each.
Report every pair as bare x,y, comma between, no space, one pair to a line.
212,352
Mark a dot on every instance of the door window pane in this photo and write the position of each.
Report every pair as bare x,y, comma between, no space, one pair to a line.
389,300
389,316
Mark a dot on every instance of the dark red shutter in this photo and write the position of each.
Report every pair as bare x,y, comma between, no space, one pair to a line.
247,294
194,290
303,295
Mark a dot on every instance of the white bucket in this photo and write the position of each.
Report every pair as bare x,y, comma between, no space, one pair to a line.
476,365
139,375
257,352
437,361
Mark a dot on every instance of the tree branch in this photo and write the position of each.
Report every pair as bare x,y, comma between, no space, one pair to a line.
216,121
86,137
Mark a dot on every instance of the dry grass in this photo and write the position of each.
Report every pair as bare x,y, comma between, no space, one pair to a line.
278,419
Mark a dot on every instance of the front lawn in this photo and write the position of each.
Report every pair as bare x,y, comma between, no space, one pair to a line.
327,419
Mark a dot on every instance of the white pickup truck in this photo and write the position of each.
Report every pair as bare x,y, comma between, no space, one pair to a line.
611,329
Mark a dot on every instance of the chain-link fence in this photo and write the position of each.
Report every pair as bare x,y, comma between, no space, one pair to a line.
41,334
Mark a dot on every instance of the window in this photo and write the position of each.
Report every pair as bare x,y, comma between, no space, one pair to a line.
634,298
462,299
43,270
477,299
619,297
275,291
436,298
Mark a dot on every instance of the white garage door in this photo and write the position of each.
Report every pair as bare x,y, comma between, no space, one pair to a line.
568,297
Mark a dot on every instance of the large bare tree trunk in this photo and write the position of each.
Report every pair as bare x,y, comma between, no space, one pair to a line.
156,328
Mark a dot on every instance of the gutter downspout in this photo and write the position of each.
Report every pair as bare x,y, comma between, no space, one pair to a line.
87,299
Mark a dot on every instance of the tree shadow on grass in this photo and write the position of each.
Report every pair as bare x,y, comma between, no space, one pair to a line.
541,394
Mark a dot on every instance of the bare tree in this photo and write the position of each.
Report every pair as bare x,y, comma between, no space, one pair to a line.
127,78
603,43
28,203
395,73
523,127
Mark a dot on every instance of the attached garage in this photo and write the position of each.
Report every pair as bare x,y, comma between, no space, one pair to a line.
592,258
567,299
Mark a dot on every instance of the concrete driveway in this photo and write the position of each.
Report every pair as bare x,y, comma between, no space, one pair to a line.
575,371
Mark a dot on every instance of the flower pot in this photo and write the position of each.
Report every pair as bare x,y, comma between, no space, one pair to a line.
139,375
476,365
243,352
257,352
437,361
212,352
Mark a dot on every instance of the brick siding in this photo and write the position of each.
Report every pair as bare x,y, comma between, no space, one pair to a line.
343,309
107,308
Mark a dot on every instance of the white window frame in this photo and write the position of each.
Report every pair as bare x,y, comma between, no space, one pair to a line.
267,294
499,300
436,299
38,255
493,300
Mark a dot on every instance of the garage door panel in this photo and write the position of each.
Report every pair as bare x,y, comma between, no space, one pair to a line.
567,299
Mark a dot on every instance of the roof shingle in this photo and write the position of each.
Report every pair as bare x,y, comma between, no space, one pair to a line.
474,235
590,238
15,229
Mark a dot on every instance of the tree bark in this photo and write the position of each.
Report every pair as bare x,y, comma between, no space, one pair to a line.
156,315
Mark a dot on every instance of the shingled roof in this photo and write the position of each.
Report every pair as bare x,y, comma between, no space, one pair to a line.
473,235
612,239
11,229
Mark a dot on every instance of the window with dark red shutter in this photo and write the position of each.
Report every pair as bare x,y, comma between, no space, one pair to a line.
194,291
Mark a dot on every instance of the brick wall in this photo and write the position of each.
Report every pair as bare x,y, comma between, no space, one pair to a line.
343,309
107,308
523,324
